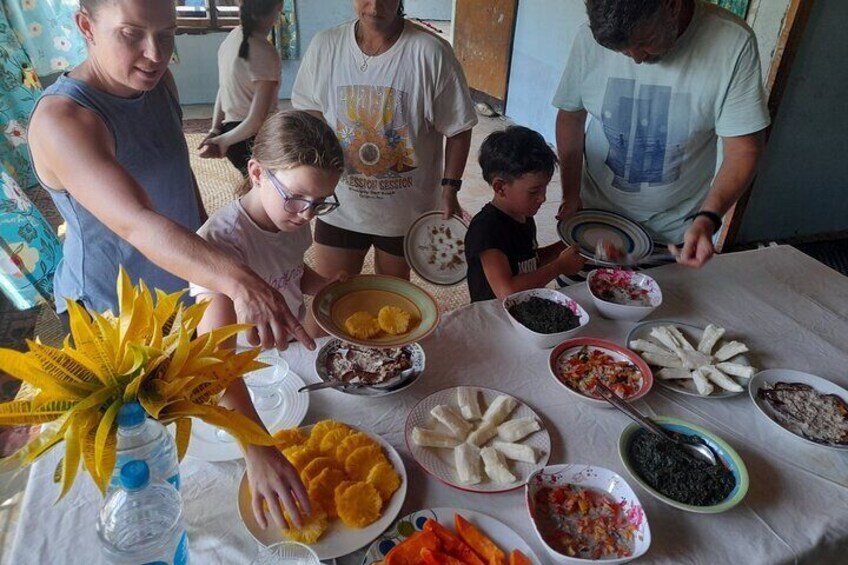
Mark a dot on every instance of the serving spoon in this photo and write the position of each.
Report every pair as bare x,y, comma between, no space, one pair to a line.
391,383
698,451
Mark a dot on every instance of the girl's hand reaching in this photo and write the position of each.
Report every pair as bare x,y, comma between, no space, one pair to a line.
570,261
274,481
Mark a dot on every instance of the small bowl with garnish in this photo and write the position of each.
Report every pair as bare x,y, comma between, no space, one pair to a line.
578,364
586,514
623,295
544,317
671,475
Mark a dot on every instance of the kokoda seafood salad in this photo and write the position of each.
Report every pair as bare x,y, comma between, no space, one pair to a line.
583,370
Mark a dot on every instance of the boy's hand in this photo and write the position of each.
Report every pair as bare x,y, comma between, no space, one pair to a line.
570,261
275,482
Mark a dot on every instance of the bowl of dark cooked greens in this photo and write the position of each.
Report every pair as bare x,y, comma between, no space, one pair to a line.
545,317
671,475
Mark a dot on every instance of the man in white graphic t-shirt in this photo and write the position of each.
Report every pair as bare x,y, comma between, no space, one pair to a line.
648,90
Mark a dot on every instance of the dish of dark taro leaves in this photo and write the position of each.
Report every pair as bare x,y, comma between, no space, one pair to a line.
545,316
671,471
369,366
803,410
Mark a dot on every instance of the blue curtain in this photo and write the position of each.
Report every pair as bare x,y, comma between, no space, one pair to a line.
47,32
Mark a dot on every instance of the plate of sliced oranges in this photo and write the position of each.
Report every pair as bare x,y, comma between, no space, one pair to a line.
356,483
376,311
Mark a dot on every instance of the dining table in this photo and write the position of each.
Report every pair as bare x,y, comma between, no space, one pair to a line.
790,310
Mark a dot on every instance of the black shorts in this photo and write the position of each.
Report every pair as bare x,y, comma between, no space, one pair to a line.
240,153
331,236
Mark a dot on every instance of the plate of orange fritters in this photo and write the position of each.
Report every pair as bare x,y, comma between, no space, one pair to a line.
376,311
356,483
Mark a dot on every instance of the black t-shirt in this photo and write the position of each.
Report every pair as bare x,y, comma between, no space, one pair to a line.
493,229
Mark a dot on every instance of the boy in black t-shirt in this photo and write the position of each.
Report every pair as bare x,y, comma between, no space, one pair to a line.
500,247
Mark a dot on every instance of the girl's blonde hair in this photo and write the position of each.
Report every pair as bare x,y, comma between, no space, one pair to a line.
294,139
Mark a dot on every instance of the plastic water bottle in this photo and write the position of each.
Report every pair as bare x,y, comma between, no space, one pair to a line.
141,522
144,439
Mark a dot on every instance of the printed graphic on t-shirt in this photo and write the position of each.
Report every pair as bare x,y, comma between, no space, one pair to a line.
528,266
373,127
286,280
647,127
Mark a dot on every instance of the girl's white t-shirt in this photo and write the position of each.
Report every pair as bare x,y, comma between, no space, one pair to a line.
276,257
237,78
391,114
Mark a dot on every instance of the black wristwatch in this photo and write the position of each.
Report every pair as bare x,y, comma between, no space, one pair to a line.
712,216
453,183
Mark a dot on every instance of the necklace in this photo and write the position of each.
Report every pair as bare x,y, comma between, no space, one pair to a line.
365,56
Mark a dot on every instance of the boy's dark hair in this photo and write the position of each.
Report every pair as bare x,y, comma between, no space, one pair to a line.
514,152
613,21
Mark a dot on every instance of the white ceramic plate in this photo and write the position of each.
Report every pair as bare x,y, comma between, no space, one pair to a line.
587,227
504,536
439,462
206,445
338,540
693,334
417,359
435,249
771,376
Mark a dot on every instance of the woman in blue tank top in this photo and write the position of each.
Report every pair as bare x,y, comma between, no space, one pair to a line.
106,141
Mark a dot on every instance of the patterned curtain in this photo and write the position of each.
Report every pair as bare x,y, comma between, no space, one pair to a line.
738,7
285,34
29,249
47,32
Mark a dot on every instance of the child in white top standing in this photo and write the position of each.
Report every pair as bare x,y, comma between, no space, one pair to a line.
297,162
249,78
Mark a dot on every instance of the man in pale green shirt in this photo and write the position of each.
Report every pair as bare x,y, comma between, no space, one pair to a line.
648,90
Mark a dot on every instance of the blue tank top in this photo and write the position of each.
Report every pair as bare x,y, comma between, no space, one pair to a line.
150,145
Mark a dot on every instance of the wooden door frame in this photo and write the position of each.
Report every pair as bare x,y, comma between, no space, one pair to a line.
791,34
478,96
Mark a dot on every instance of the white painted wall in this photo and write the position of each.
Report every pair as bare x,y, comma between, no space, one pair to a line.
197,72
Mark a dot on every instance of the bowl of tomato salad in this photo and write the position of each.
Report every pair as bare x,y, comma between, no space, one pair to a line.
579,364
586,514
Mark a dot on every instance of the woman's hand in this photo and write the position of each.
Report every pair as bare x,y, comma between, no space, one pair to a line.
257,303
274,481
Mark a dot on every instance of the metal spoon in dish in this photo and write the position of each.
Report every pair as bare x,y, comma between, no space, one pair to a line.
698,451
397,380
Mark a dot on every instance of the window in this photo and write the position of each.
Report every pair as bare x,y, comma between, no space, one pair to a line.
207,15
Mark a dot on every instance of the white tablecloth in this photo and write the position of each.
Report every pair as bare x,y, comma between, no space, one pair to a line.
793,313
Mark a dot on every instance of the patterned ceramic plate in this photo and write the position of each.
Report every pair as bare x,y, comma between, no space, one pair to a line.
336,302
338,540
416,358
439,462
693,334
435,249
208,445
599,479
503,535
587,227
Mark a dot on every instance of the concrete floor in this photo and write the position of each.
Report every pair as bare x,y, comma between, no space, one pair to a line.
475,192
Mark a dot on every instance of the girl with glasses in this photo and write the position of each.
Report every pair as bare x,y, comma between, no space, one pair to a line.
292,176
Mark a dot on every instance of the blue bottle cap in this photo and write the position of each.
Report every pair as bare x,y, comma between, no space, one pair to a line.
131,414
135,475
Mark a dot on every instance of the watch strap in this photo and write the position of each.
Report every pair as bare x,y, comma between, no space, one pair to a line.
453,183
712,216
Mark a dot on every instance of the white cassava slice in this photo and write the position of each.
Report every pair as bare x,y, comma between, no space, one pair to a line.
646,346
467,460
466,397
669,374
495,466
518,429
483,434
446,415
721,379
737,370
430,438
516,451
730,349
499,409
704,386
710,337
670,361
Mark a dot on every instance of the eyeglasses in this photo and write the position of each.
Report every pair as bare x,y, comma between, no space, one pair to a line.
299,205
